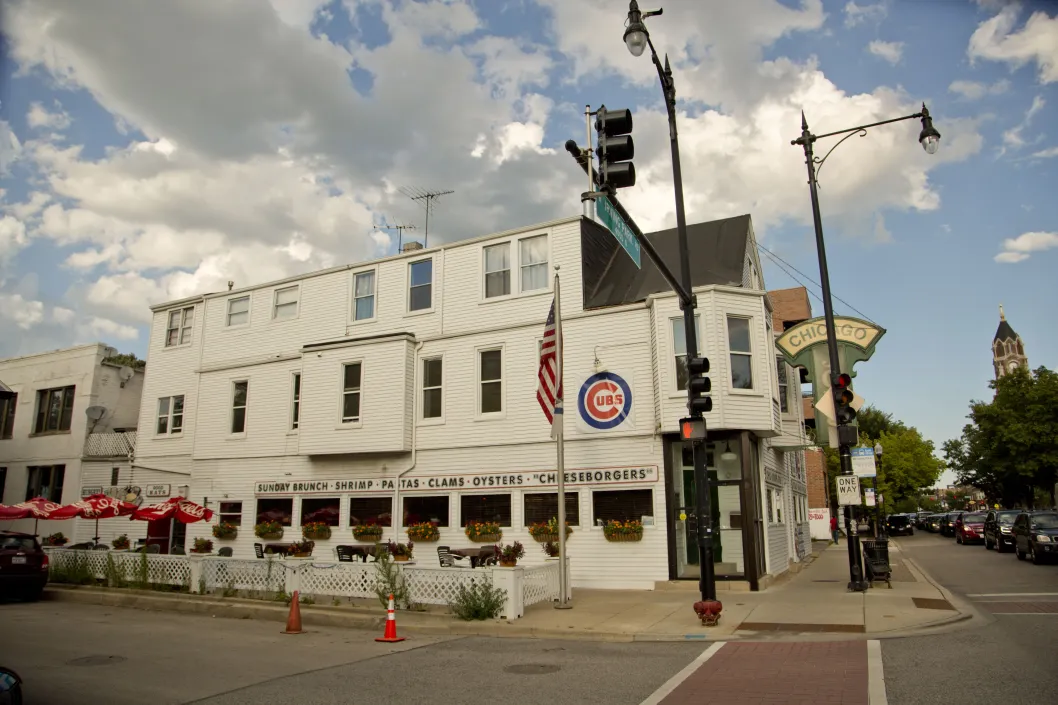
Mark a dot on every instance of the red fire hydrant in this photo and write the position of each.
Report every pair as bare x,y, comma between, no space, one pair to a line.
709,612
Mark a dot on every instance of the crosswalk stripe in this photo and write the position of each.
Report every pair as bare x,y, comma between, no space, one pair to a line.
672,683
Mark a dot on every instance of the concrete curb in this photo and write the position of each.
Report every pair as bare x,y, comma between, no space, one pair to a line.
966,611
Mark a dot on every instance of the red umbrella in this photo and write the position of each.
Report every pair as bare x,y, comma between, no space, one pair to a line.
183,510
38,508
97,506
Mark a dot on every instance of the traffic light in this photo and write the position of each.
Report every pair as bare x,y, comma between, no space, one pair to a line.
844,414
616,148
692,429
698,387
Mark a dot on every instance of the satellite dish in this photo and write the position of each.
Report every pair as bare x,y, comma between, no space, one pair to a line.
95,412
125,374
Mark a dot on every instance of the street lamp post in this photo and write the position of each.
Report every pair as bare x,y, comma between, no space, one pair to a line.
879,531
637,39
929,138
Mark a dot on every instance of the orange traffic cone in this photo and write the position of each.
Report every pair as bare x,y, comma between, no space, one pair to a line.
294,619
391,625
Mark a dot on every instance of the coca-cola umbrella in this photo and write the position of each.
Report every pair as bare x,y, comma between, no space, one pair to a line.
183,510
38,508
96,506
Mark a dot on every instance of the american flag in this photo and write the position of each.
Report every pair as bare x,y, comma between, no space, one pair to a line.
549,377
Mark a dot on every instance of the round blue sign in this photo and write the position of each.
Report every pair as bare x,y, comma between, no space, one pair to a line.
604,401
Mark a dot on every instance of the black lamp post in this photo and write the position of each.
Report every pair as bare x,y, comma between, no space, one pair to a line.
637,39
879,530
930,140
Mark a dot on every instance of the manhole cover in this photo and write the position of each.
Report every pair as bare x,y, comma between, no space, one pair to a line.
532,669
98,660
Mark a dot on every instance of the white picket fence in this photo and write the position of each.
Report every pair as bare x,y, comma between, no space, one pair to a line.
271,577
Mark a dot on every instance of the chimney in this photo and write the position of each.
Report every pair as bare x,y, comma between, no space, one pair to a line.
411,246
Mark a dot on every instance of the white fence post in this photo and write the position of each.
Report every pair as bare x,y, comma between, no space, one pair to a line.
569,582
510,580
293,567
196,573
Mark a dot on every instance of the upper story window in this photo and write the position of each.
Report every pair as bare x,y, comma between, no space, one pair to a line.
295,411
432,388
239,397
285,305
741,352
54,410
533,261
238,311
178,329
490,368
45,481
364,296
7,417
351,392
679,348
420,285
170,415
498,270
784,387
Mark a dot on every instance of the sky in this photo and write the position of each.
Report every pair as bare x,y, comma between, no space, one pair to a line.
152,151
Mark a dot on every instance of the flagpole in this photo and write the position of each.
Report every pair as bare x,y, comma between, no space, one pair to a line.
560,421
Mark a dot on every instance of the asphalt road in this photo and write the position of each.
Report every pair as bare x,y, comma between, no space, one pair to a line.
1006,655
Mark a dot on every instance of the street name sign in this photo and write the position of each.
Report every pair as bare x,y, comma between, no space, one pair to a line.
863,461
848,490
619,228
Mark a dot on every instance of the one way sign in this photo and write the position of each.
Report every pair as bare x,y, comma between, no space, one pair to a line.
848,490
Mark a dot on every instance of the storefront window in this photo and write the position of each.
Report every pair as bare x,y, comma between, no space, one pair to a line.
275,509
485,507
433,509
371,510
622,505
325,510
539,508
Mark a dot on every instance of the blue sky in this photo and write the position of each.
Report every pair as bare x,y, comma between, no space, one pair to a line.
150,155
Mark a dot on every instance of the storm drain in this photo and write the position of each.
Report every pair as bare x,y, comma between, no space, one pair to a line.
531,669
97,660
931,603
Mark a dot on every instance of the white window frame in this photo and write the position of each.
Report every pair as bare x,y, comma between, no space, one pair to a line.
780,360
756,389
227,310
296,390
522,265
433,420
232,407
185,325
374,295
433,287
168,415
485,270
502,413
674,390
276,304
593,526
359,420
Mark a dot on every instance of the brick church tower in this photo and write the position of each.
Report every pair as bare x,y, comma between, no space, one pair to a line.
1008,352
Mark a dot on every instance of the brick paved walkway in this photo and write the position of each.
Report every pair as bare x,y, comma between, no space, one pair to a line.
775,673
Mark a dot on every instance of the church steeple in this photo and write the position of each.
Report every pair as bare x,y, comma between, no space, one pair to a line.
1008,352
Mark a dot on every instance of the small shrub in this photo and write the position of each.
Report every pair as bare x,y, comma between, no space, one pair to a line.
478,601
121,543
389,580
202,545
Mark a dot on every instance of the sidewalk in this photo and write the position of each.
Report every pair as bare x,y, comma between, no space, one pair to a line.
812,605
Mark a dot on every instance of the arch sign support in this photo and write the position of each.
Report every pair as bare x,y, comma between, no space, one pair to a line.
805,345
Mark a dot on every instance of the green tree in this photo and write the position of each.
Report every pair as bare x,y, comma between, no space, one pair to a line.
129,359
874,422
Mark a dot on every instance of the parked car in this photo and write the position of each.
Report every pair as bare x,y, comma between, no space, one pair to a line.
932,523
999,525
970,528
899,524
947,524
23,565
1036,536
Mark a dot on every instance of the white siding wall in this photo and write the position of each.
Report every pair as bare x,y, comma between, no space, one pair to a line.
777,533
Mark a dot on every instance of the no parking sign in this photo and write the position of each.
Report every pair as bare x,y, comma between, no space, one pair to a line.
604,403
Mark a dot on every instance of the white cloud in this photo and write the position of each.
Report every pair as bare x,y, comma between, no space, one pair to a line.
1020,248
24,314
890,51
1046,153
860,14
10,148
12,238
1013,137
39,117
1036,42
975,90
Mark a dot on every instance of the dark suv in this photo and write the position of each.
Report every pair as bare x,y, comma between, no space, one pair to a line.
998,529
898,524
1036,534
23,565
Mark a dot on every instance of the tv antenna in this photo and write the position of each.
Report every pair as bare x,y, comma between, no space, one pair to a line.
399,228
427,198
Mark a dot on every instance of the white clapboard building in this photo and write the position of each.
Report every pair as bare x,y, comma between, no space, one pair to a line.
406,387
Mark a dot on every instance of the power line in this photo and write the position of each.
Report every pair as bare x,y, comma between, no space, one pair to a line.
775,258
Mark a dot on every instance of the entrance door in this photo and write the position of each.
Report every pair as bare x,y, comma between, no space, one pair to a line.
158,534
686,515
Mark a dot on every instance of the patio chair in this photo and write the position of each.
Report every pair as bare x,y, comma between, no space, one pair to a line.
447,558
225,552
178,551
345,554
152,548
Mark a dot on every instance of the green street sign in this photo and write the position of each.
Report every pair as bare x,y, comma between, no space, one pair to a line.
617,226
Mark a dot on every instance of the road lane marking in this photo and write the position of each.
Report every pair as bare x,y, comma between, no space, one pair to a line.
1014,594
875,674
672,683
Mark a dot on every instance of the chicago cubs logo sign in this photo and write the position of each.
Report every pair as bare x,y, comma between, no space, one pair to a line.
605,402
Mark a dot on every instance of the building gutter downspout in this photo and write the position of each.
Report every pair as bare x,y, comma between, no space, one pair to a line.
396,523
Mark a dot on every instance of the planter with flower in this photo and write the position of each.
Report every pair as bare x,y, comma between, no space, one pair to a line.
202,545
631,530
268,530
550,548
302,549
316,530
547,531
484,531
400,551
508,555
56,539
425,531
225,531
367,532
121,543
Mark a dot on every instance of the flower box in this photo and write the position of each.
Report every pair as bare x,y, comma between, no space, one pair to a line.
547,532
623,530
425,531
367,532
225,532
316,530
483,531
625,537
269,530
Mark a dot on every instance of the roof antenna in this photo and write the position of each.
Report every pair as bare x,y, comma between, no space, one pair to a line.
427,198
399,228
